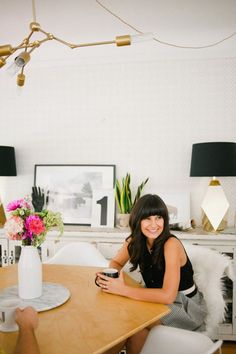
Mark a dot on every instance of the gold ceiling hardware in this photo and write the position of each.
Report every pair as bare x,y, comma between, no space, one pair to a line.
5,49
28,46
20,79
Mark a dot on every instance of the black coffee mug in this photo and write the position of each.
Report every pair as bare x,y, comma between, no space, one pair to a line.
109,272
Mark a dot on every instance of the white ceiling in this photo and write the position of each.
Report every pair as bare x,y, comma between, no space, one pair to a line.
183,22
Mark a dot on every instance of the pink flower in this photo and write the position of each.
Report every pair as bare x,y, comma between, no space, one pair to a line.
34,225
30,226
20,203
14,227
27,234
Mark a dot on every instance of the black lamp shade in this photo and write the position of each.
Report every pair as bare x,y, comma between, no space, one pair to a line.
213,159
7,161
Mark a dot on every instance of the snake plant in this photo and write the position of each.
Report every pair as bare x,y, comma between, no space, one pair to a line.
123,194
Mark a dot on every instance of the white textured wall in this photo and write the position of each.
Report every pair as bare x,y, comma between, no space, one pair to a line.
141,116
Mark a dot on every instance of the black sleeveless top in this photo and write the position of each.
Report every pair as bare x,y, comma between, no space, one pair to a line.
153,275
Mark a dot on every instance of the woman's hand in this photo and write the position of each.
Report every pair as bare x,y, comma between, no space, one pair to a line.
112,285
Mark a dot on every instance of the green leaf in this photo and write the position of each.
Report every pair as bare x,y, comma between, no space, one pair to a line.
139,190
118,194
123,194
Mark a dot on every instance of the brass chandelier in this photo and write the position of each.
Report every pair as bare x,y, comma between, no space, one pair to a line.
27,46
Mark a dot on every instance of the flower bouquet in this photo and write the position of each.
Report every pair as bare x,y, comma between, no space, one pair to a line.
29,226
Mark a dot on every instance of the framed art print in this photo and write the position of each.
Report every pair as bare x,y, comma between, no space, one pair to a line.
69,189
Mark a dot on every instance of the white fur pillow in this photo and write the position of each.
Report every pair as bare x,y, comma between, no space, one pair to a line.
209,268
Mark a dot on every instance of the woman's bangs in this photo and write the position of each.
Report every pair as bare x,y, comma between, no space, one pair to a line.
152,209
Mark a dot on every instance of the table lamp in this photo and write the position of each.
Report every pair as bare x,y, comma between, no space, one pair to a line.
213,159
7,168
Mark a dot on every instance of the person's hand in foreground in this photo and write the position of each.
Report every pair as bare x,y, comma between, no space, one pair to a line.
27,320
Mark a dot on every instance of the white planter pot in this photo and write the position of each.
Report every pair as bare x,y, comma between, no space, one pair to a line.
29,273
122,220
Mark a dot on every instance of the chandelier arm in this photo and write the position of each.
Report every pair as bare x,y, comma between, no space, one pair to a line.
23,45
32,49
50,36
14,49
73,46
7,56
47,34
32,46
29,36
35,44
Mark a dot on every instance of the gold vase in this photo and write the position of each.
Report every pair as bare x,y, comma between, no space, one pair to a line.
2,215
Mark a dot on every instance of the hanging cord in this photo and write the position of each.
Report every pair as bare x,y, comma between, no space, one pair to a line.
157,39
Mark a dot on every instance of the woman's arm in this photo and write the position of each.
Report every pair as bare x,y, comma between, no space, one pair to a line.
174,259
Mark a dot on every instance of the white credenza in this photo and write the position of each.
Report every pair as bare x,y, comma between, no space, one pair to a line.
108,241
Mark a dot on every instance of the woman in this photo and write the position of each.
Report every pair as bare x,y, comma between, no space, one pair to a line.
165,268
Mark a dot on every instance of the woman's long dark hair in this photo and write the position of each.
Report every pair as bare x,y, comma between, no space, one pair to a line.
147,205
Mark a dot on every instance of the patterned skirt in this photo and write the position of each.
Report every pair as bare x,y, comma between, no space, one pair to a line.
187,313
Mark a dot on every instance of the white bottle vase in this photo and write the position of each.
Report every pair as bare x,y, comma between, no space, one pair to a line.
29,273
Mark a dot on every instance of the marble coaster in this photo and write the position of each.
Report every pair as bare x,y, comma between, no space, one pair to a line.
53,296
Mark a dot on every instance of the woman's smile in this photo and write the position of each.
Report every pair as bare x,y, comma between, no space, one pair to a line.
152,226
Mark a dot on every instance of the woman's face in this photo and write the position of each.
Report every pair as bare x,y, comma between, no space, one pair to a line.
152,226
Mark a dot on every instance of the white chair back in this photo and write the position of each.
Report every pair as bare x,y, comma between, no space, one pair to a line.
170,340
79,253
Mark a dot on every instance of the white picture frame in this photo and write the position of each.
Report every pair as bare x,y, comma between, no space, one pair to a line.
178,205
103,208
69,188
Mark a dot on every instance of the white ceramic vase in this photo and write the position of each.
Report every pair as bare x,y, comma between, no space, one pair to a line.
29,273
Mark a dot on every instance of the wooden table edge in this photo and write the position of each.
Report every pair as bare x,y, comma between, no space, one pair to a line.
130,333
